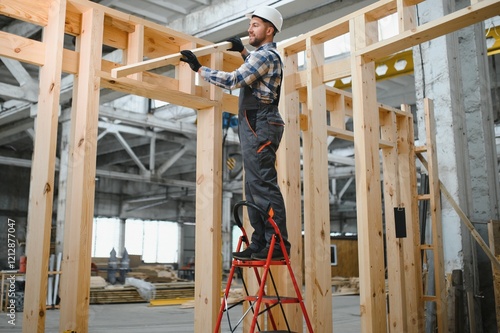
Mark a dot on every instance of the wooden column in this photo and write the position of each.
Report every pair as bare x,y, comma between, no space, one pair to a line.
135,49
42,171
395,261
316,195
288,166
208,268
411,244
436,219
368,190
75,279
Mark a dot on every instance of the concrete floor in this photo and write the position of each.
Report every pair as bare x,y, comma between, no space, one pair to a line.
139,317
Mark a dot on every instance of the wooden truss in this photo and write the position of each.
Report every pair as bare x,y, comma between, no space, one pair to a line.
309,106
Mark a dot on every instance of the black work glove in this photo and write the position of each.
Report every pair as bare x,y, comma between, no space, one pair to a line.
237,44
191,59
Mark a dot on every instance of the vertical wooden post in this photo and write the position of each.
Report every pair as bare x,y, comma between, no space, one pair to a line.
75,278
288,166
395,262
411,244
316,195
208,267
42,171
135,49
435,211
368,200
406,15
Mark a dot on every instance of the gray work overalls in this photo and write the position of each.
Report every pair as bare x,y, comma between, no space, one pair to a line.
260,130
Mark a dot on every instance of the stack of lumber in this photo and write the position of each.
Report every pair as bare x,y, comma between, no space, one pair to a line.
154,273
127,294
345,285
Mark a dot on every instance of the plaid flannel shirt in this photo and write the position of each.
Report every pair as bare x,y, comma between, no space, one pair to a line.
261,71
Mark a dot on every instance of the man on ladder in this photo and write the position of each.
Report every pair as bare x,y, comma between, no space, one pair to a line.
260,126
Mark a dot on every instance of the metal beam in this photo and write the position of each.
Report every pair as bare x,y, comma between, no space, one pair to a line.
24,163
174,158
129,150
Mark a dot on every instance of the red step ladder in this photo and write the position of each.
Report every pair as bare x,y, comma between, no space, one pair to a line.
261,299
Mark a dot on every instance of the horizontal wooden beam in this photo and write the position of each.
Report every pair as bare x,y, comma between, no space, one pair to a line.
26,11
153,91
169,59
459,19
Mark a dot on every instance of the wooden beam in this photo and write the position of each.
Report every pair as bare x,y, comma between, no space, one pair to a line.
470,226
22,49
397,317
316,195
462,18
368,191
289,180
75,280
135,49
42,172
411,244
208,245
170,59
27,11
154,91
436,220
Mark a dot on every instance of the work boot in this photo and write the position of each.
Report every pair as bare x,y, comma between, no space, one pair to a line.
262,255
246,254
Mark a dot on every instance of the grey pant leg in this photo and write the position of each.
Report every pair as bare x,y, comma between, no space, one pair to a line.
259,141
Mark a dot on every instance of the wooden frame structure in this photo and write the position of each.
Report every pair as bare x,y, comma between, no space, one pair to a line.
308,105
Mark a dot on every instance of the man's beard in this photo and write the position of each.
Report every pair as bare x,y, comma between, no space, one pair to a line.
256,41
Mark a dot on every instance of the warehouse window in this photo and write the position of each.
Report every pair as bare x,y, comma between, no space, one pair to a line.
105,237
156,241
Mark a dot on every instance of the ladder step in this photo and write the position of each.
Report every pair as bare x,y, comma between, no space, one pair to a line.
256,263
426,196
426,247
420,149
274,299
276,332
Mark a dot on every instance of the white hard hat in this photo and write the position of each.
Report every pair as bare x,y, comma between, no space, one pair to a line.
270,14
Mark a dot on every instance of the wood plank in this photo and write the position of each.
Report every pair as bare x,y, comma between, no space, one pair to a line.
208,245
22,49
340,133
475,234
397,317
316,195
171,59
27,11
154,91
160,43
336,28
461,18
435,212
336,104
40,206
75,280
411,244
135,49
368,200
289,180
